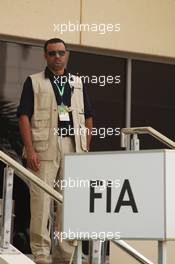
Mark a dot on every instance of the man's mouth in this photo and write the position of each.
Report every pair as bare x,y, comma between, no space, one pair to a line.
57,63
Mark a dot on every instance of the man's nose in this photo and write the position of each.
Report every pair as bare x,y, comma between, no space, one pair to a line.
57,55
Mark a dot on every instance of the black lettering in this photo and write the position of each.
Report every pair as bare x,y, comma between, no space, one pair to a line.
108,197
131,202
94,195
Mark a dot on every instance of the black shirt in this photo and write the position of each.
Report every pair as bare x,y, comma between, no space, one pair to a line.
26,106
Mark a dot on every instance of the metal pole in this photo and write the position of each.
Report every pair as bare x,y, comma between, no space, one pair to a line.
162,252
78,253
128,92
128,99
97,251
132,251
7,207
26,174
104,251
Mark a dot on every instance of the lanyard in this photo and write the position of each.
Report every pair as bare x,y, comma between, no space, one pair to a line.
59,87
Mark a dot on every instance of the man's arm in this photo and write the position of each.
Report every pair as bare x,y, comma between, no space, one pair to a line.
33,161
89,125
24,113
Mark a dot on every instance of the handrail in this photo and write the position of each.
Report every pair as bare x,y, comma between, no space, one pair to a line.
124,143
24,173
131,251
146,130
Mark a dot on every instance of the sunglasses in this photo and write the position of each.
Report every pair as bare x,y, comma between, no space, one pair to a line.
53,53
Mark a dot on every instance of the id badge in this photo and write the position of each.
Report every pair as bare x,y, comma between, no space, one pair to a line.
63,113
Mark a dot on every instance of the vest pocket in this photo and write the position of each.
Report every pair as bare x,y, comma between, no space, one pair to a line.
83,131
83,137
43,100
41,119
81,118
40,138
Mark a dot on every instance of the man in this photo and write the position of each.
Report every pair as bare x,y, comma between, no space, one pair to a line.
51,101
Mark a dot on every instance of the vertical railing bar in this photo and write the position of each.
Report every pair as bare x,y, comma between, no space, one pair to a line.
7,207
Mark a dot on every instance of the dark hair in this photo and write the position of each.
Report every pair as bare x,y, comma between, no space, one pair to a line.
53,40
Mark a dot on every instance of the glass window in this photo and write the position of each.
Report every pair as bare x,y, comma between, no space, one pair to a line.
153,103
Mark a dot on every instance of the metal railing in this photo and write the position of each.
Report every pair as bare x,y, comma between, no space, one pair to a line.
125,143
132,251
24,173
145,130
6,221
12,165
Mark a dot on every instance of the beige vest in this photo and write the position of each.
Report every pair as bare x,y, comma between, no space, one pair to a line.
44,121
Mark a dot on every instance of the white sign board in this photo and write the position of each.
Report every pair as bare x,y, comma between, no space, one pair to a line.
119,195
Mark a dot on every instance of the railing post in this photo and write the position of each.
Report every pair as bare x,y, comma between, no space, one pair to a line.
78,253
7,208
162,252
97,251
135,143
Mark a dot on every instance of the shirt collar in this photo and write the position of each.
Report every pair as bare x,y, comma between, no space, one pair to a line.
50,75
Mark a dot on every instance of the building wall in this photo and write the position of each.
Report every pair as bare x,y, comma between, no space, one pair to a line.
146,26
35,19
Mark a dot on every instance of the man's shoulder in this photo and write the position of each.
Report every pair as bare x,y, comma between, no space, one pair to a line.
37,75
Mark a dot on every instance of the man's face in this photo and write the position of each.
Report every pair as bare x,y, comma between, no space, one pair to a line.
56,56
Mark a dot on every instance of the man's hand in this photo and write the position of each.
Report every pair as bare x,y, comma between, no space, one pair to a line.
33,161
